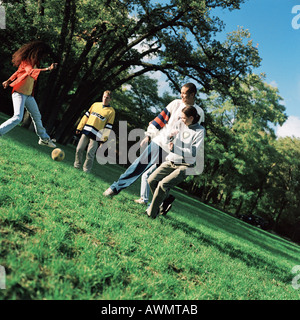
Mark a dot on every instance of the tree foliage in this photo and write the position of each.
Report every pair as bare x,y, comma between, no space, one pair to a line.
247,169
103,44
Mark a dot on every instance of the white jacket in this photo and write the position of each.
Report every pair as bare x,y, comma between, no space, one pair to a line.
170,116
174,109
186,144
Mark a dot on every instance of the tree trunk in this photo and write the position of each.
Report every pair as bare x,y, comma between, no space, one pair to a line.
239,207
41,8
279,214
255,202
58,76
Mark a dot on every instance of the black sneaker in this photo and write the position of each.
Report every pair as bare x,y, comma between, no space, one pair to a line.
166,205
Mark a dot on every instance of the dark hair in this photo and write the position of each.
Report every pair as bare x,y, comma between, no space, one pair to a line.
32,52
191,87
191,111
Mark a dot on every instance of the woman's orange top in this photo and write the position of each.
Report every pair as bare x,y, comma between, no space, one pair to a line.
23,79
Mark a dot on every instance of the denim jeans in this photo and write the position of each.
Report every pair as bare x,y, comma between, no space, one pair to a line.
19,102
151,155
145,189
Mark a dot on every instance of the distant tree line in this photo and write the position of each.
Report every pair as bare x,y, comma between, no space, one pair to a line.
115,44
248,170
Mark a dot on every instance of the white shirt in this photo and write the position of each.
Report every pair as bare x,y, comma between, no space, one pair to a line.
160,137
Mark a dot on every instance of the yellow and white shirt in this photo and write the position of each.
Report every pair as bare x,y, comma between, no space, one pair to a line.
97,122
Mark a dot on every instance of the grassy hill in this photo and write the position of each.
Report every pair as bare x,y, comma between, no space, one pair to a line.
61,239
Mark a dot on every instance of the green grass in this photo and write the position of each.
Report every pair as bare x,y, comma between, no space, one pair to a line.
61,239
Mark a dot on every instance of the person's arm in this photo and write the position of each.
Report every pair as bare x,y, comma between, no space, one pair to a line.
34,73
179,149
6,83
13,77
158,123
108,127
53,66
83,121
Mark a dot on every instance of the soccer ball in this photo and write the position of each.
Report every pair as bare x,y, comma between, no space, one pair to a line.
58,154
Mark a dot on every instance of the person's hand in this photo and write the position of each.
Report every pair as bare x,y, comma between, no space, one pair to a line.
6,84
144,141
174,133
78,132
171,145
53,66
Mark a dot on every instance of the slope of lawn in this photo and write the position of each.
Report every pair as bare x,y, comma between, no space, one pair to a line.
61,239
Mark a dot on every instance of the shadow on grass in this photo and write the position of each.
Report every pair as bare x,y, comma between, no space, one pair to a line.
216,220
250,259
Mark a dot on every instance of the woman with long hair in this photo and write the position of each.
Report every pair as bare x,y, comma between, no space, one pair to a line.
27,59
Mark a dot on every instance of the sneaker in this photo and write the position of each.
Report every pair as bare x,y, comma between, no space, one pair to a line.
153,216
165,207
140,201
47,142
109,193
163,213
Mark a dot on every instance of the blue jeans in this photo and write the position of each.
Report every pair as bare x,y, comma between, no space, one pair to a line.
19,102
151,155
145,189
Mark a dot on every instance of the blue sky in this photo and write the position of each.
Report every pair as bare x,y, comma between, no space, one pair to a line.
270,25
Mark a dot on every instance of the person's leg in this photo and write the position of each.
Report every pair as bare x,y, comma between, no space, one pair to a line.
145,190
163,179
83,142
36,117
157,197
90,155
18,104
150,156
165,207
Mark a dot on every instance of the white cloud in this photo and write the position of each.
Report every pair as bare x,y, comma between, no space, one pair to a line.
274,84
291,128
